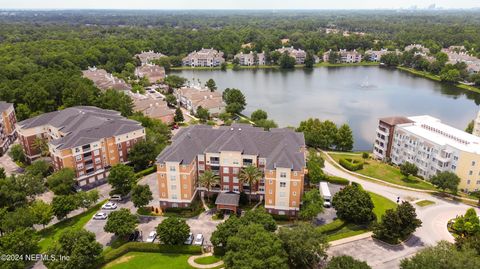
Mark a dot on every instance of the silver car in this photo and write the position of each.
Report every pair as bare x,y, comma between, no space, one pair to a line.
100,216
109,206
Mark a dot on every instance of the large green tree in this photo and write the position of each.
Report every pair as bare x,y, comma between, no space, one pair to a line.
121,222
116,100
446,180
407,169
234,99
173,231
19,243
353,204
397,224
312,204
122,178
142,155
343,262
344,138
250,175
62,182
208,180
62,205
141,195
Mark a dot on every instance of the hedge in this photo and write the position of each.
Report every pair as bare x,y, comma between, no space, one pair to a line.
147,171
350,164
148,247
337,180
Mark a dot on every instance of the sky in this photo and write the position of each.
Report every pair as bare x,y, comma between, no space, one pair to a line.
233,4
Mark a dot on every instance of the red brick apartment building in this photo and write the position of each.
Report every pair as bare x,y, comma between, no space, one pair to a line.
87,139
7,126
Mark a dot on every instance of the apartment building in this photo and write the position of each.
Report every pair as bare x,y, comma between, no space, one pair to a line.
104,80
248,59
87,139
204,57
375,55
418,48
344,56
194,97
432,146
278,153
146,57
152,72
8,132
298,54
155,109
458,54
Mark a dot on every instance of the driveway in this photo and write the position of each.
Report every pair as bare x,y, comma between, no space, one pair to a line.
434,224
329,214
9,165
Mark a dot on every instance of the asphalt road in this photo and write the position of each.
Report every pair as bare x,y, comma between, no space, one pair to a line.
434,227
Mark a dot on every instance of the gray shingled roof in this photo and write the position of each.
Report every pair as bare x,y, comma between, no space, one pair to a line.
227,198
280,147
83,125
4,106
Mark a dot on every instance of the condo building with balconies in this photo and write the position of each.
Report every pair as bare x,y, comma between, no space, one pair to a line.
87,139
432,146
8,132
225,150
204,58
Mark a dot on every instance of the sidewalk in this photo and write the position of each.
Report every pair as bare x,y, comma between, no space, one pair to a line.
350,239
191,262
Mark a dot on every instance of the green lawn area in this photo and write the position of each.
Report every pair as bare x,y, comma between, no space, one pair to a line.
52,233
347,230
384,172
381,204
147,260
208,260
425,203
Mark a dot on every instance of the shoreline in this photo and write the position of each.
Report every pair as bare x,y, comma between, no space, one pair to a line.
230,66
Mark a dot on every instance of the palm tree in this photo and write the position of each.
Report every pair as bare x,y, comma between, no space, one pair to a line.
208,180
250,175
42,146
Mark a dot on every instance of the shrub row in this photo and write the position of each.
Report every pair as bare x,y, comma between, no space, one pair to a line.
337,180
148,247
281,217
147,171
351,165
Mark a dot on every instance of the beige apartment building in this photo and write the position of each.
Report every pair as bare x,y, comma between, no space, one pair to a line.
8,119
87,139
204,57
225,150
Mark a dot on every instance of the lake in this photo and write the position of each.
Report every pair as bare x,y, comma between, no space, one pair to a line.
356,95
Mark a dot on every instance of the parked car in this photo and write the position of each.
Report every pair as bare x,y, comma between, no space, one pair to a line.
116,197
100,216
189,239
151,237
109,206
135,236
198,240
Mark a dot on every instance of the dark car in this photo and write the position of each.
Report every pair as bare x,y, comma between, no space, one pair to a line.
135,236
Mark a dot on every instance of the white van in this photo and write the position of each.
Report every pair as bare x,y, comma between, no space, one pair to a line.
325,192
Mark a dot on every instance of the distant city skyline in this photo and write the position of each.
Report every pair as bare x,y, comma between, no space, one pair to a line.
236,4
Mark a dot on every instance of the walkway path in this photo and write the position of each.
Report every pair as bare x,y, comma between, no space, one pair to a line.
191,261
434,224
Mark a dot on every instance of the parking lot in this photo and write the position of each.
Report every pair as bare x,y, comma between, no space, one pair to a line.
329,214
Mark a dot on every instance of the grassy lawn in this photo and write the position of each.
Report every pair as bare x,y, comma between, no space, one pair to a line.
384,172
381,204
208,260
52,233
146,260
425,203
347,230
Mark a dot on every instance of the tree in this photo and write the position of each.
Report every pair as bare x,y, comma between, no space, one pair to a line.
315,164
171,100
224,231
266,124
258,115
17,154
234,99
254,247
62,182
344,138
121,222
41,212
21,242
39,168
286,61
259,216
312,204
141,195
451,76
174,81
87,199
203,114
173,231
3,175
250,175
319,134
343,262
446,180
365,156
469,128
208,180
467,225
122,178
397,224
211,85
443,255
116,100
309,60
223,66
64,204
77,244
306,246
41,145
354,205
178,115
407,169
333,57
142,155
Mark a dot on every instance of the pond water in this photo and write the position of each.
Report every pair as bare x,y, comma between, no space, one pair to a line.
356,95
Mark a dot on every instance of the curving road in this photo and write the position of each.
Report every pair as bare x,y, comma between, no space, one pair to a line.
434,227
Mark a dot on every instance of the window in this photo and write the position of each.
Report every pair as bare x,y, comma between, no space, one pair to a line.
283,174
478,182
470,172
184,186
184,176
173,187
235,189
172,168
270,181
174,196
294,193
468,182
163,194
270,191
80,166
235,161
282,194
283,184
226,170
96,152
270,201
184,195
162,175
97,160
173,177
78,158
226,179
235,170
473,163
295,173
235,179
294,203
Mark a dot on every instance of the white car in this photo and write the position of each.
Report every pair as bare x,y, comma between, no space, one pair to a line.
151,237
109,206
100,216
189,239
198,240
116,197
